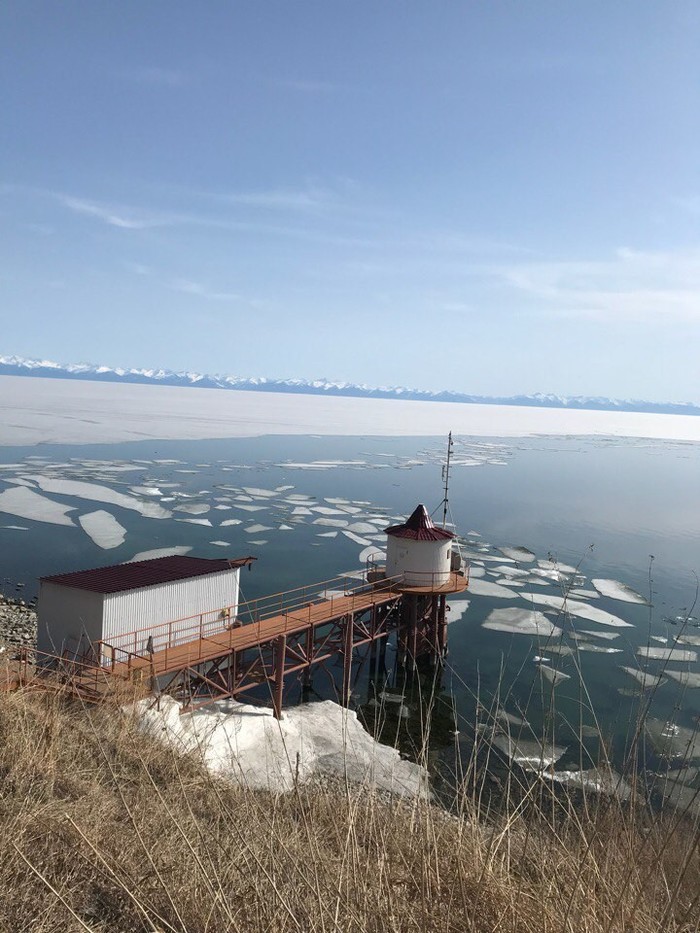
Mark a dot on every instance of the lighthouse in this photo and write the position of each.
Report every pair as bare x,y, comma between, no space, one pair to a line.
418,553
422,566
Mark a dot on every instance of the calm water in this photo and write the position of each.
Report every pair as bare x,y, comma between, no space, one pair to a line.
602,506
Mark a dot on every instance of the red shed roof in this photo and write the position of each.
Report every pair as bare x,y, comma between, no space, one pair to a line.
419,527
140,573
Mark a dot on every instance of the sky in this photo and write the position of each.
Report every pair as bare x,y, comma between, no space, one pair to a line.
486,197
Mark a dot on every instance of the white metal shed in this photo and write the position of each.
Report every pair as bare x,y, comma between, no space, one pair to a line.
125,605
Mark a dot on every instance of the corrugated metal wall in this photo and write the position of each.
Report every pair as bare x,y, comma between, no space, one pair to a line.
177,602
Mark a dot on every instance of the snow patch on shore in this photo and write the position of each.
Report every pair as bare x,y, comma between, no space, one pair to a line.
248,745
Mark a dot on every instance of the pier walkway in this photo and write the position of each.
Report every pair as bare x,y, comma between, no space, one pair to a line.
230,652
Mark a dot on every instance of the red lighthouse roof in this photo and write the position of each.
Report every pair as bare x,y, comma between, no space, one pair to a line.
419,527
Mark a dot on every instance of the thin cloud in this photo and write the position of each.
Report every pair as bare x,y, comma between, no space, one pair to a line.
113,216
633,286
304,199
190,287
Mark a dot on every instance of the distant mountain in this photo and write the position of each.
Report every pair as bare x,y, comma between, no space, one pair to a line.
17,366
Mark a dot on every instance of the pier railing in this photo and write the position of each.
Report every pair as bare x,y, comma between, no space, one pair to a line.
296,607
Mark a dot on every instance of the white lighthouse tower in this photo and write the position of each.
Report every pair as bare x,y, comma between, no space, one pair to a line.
418,553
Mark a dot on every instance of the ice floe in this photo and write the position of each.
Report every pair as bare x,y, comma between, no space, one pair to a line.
576,608
103,528
193,508
331,522
486,588
25,503
360,528
231,521
530,754
667,654
673,741
686,678
521,622
256,529
363,542
519,554
594,780
98,493
554,676
597,649
196,521
615,590
372,552
220,543
178,550
554,565
646,679
457,609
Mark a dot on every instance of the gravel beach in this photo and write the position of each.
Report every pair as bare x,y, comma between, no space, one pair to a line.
17,622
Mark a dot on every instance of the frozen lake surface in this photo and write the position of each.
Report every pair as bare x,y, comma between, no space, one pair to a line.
38,411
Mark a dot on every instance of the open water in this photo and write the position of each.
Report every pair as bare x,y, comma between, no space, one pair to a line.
623,510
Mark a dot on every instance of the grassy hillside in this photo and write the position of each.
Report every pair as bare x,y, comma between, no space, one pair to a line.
103,828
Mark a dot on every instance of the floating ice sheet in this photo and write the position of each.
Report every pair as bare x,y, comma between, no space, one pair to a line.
593,780
615,590
363,542
103,528
193,508
161,552
231,521
552,565
686,678
646,679
372,552
265,493
519,554
331,522
530,754
457,609
521,622
196,521
671,740
667,654
608,636
554,676
362,528
98,493
486,588
576,608
220,543
25,503
598,649
256,529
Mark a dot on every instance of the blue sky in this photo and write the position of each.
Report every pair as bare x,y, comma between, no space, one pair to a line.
490,197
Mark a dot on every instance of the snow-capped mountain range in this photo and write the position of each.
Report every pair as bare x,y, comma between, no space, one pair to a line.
17,366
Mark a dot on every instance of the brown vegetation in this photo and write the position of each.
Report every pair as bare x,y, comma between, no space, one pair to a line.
105,829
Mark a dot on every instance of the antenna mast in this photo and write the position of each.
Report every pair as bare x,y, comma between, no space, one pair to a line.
446,478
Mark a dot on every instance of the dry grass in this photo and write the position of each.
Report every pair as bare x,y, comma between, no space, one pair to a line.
105,829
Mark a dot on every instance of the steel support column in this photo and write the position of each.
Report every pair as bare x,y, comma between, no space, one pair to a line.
278,692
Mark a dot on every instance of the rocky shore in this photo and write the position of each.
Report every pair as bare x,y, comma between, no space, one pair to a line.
17,623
